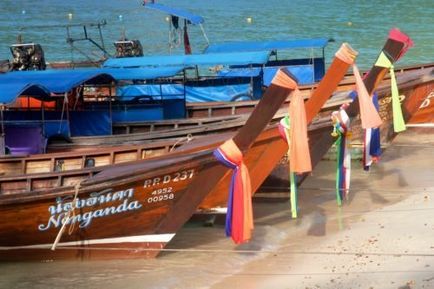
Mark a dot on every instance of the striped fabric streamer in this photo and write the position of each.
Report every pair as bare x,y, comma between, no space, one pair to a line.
341,130
398,118
371,143
239,217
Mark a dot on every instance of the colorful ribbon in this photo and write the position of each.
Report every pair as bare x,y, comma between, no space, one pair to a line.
285,133
371,143
300,161
398,119
239,218
368,114
293,130
341,130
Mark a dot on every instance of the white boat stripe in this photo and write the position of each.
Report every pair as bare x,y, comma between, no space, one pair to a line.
427,124
164,238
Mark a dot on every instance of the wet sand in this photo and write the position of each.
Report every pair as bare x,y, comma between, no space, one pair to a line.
382,237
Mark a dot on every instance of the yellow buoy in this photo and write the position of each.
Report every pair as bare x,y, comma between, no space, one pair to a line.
349,23
69,16
249,19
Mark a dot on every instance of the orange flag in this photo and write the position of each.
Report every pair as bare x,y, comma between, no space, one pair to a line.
300,161
368,114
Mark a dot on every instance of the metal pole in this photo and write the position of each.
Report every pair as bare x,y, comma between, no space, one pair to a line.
2,144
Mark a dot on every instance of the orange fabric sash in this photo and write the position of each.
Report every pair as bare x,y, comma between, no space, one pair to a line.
300,160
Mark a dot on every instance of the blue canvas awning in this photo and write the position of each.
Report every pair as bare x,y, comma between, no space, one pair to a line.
42,83
194,19
303,73
142,73
55,80
236,58
9,91
240,46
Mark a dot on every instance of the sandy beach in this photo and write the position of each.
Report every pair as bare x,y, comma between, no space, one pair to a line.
382,237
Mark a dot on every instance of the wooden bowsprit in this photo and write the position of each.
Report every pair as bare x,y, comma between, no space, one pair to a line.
274,153
321,143
394,49
184,208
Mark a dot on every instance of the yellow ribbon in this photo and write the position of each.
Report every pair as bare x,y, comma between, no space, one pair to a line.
398,119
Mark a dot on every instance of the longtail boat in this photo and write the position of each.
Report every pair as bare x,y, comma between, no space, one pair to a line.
133,209
124,211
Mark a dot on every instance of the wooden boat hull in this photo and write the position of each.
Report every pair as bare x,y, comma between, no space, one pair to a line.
103,223
145,202
118,220
425,115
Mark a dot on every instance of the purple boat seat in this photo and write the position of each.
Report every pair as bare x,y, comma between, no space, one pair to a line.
24,140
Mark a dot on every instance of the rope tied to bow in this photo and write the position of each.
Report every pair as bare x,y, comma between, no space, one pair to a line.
66,218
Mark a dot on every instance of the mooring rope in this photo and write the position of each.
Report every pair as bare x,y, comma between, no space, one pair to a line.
185,139
67,218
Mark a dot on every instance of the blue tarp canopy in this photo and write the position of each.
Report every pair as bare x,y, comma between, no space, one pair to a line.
194,19
142,73
192,93
303,73
42,83
244,46
9,91
235,58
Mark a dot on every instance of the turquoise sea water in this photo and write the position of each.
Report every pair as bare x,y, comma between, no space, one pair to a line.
364,24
